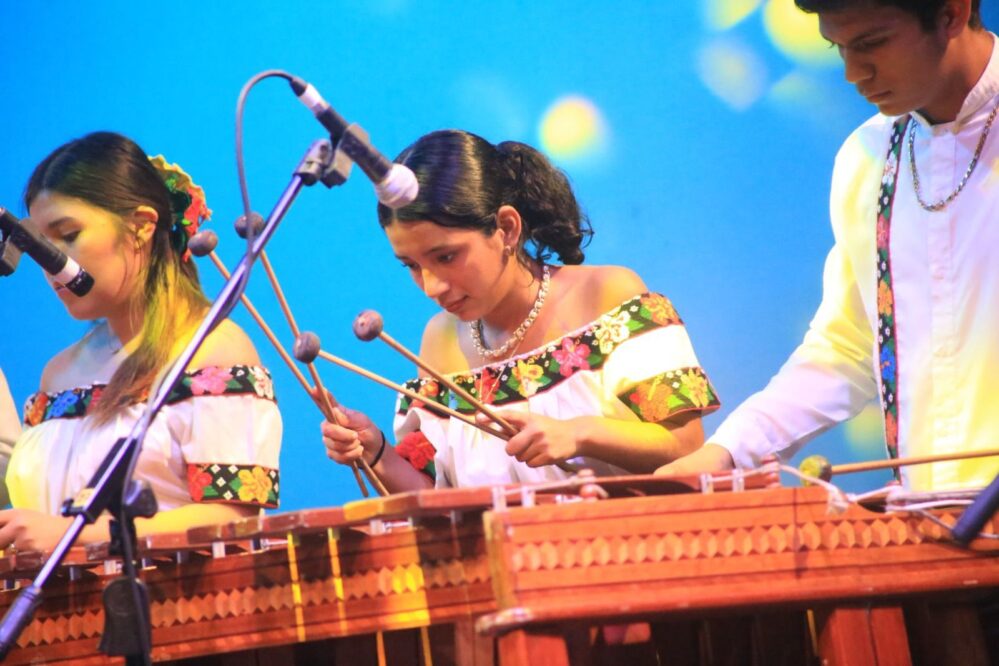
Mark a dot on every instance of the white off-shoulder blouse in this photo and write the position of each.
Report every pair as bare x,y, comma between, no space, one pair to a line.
217,440
635,363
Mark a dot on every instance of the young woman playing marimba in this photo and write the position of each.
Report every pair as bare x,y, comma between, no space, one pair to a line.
585,364
211,455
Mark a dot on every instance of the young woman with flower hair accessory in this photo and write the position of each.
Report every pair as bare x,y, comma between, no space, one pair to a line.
584,361
212,454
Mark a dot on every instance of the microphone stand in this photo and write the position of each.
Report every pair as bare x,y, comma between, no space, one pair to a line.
127,628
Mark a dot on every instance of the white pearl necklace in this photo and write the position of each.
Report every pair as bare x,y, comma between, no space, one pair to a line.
475,327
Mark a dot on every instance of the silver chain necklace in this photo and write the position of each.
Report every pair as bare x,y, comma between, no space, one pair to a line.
940,205
475,327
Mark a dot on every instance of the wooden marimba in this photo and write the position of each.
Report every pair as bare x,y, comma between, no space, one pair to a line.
699,555
365,580
403,579
281,587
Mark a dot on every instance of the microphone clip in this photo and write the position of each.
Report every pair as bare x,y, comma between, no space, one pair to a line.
324,164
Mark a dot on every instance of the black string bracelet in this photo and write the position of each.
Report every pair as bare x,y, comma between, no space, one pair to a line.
378,456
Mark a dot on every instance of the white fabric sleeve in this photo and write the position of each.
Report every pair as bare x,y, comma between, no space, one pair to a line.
10,430
233,429
647,355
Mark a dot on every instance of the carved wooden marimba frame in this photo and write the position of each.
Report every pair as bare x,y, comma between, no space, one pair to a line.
703,555
398,579
283,586
403,578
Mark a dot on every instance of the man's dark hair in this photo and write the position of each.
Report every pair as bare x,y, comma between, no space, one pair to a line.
926,11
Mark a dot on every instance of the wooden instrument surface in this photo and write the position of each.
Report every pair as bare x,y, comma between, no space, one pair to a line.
443,557
287,578
695,553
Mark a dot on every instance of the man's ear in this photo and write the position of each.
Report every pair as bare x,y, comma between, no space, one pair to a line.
954,17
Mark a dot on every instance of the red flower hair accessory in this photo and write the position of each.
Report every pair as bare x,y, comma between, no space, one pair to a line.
187,201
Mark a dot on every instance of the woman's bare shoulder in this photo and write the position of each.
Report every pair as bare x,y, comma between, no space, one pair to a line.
603,287
75,365
226,346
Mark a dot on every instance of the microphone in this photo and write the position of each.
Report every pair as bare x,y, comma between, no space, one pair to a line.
395,184
977,514
46,255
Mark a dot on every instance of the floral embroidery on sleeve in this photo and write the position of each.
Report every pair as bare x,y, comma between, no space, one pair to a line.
612,330
571,356
417,449
530,377
210,381
34,409
670,393
523,377
245,484
660,310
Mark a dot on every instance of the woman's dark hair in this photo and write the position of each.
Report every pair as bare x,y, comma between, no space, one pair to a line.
112,172
464,180
927,11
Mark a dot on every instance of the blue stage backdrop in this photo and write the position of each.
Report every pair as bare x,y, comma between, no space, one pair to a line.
699,137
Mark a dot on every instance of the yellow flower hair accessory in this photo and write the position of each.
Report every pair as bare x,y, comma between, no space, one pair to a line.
187,201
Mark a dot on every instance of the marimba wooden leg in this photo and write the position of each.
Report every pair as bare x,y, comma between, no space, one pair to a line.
470,647
678,642
863,635
726,641
946,633
781,638
534,645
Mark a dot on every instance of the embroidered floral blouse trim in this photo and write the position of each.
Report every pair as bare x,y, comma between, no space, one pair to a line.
519,378
74,403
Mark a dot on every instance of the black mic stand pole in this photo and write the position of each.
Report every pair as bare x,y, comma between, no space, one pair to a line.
111,487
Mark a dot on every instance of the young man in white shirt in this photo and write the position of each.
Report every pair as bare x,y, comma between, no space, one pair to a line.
910,306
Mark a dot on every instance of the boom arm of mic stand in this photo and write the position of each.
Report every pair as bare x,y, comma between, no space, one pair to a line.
92,501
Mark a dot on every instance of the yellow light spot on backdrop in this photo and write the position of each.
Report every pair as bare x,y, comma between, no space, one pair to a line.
734,73
724,14
572,128
796,34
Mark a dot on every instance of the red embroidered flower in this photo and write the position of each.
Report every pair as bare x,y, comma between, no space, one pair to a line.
660,309
891,430
429,388
486,386
417,449
652,400
197,480
572,355
210,381
95,396
882,231
35,410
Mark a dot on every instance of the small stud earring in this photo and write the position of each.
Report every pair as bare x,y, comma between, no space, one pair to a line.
507,251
